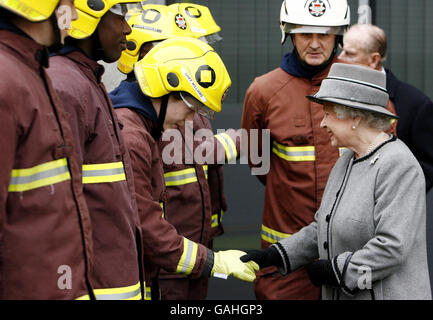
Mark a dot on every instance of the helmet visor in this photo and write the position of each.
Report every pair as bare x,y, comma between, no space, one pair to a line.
122,9
199,107
296,28
211,38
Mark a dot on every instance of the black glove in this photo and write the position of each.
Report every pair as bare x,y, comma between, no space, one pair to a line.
321,273
264,258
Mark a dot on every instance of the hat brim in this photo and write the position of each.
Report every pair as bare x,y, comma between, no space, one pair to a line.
355,105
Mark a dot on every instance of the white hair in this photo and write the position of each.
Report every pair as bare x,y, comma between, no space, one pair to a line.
373,119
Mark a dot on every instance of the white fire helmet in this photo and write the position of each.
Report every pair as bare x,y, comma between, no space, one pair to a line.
314,16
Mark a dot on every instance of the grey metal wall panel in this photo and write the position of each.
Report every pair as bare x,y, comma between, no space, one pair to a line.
408,26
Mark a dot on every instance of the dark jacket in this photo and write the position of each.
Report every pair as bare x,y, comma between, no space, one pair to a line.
414,127
45,231
107,174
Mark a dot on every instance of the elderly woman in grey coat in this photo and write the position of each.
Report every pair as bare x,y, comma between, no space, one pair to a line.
368,239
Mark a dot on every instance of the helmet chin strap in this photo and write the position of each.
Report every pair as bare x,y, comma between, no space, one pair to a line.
57,45
157,131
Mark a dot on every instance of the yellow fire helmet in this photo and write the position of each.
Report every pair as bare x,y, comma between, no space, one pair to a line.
154,23
90,13
200,18
187,65
33,10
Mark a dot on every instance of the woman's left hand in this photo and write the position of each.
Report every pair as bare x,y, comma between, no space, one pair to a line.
321,273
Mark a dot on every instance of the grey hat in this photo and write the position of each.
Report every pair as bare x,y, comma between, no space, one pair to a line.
355,86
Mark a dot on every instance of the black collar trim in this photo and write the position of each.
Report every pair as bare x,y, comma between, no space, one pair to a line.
368,155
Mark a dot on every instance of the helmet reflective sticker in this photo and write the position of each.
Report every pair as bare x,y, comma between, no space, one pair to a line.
205,76
193,85
317,8
180,21
151,16
193,12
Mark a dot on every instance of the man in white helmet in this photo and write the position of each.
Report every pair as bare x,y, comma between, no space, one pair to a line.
302,156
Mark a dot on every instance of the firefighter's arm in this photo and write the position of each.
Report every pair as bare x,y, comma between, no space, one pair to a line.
162,245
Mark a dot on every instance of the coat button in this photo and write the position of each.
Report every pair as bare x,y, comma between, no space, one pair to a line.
325,245
328,218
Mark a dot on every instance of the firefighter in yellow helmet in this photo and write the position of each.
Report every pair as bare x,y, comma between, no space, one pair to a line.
45,228
176,79
195,205
100,33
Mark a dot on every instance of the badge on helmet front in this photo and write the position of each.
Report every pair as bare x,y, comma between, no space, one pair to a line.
317,8
180,21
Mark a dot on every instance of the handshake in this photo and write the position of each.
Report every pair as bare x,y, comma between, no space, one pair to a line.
244,265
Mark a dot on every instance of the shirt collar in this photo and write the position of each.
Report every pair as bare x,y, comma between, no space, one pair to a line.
89,66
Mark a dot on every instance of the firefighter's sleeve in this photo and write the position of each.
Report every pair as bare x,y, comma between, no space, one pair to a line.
252,122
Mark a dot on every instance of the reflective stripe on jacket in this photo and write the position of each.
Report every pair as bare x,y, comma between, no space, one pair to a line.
104,172
42,175
124,293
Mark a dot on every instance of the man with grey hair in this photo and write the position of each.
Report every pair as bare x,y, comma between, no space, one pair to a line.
366,44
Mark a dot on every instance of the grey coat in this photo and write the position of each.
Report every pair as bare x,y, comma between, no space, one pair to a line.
372,226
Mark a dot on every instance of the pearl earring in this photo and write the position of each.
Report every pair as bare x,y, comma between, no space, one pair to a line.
353,127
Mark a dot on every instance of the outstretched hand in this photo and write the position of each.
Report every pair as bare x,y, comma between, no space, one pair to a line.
228,263
264,257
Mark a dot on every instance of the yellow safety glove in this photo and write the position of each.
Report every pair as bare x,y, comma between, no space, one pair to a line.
228,263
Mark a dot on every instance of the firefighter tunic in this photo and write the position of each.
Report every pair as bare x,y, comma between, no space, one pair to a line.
107,174
164,247
194,206
45,231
